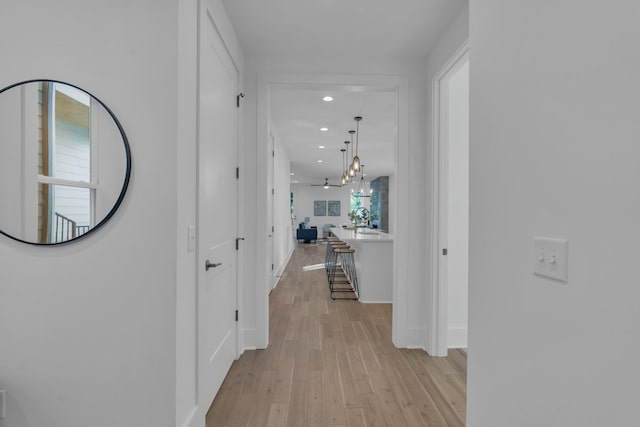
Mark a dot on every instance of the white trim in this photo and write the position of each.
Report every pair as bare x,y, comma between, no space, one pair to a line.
457,338
250,336
191,420
399,201
437,345
66,182
415,338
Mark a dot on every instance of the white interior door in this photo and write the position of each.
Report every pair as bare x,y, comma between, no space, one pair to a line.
458,205
217,211
450,227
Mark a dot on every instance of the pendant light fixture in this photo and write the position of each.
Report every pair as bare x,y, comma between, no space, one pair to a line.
364,189
344,164
352,171
356,159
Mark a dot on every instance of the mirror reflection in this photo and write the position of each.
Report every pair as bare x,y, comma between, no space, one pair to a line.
64,162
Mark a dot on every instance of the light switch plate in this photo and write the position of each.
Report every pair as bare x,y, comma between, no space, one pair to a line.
550,258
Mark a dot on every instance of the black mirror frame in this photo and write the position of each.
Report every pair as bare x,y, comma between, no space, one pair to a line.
125,184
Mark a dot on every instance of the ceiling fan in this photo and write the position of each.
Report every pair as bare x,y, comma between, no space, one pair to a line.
326,184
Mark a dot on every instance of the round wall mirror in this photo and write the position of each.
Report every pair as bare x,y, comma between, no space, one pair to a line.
65,162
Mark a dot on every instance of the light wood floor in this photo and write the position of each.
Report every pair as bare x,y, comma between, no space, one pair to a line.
333,363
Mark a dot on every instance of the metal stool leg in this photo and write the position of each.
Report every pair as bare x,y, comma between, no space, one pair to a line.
348,269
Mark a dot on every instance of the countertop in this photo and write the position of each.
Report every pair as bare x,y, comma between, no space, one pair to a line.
361,235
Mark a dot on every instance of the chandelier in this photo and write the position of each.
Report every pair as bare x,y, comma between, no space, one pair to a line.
364,187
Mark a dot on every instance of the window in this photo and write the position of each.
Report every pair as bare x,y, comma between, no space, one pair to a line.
66,190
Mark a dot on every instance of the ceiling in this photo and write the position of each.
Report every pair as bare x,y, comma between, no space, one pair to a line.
299,113
372,28
398,28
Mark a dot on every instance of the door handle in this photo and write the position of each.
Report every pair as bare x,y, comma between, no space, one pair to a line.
208,265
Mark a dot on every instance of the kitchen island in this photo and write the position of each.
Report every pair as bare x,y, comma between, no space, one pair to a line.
374,262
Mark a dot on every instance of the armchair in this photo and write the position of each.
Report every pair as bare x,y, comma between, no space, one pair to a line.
306,234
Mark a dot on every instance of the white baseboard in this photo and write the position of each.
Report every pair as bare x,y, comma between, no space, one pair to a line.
249,337
282,267
251,340
413,339
416,347
457,338
195,419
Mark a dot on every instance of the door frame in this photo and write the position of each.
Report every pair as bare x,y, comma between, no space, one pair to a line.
439,202
271,206
399,205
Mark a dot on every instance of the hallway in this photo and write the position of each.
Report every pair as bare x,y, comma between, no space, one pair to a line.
333,363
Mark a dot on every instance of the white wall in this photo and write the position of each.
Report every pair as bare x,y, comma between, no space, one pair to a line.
283,238
110,152
11,183
458,220
449,43
554,152
88,328
303,197
185,153
187,411
411,318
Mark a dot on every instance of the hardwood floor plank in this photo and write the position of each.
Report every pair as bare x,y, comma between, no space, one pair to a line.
230,390
367,350
301,364
347,383
278,415
283,381
260,406
355,417
425,371
387,399
372,411
359,370
459,358
416,393
316,400
239,418
333,399
298,406
332,363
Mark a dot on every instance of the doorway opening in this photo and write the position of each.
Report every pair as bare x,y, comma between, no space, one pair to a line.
268,84
450,247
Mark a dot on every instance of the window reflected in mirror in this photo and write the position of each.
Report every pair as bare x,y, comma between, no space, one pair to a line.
65,185
64,162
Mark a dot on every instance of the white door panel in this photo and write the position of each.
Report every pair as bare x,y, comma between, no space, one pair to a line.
217,211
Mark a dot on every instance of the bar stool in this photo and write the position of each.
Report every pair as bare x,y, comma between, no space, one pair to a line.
329,251
347,274
329,256
333,263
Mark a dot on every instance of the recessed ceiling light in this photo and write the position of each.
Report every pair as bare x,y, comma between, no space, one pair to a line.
320,161
292,174
324,129
327,98
320,146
